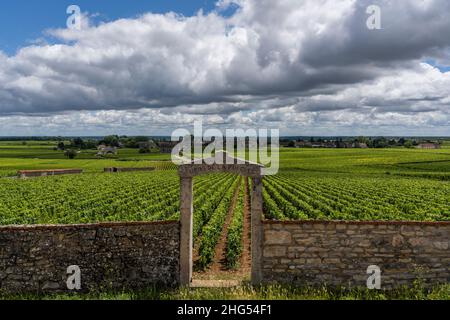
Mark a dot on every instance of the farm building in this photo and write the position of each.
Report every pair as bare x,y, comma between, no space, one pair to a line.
302,144
104,150
360,145
150,144
429,146
308,144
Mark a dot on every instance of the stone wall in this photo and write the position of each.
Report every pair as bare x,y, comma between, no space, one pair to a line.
43,173
124,169
112,255
339,253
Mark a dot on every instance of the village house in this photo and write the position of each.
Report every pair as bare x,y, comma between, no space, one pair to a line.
330,144
302,144
150,144
429,146
104,150
360,145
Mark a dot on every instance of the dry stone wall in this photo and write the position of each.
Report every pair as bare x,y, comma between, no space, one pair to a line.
115,169
43,173
110,256
339,253
139,255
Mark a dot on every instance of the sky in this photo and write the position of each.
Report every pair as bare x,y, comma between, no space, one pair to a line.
23,21
306,67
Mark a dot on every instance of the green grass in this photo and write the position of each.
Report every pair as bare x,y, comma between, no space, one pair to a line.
247,292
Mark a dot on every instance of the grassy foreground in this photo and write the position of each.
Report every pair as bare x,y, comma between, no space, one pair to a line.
246,292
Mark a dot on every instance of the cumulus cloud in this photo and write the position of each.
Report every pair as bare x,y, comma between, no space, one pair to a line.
292,63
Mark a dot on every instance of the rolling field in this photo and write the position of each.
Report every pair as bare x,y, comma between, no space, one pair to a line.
37,155
343,184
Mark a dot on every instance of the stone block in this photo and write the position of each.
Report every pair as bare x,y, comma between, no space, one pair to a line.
397,240
277,237
441,245
274,251
417,241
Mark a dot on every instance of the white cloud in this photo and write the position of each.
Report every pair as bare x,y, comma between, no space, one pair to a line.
304,65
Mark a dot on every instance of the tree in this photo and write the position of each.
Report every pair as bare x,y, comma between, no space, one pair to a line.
408,144
380,143
70,153
144,150
89,144
362,139
61,146
112,141
78,143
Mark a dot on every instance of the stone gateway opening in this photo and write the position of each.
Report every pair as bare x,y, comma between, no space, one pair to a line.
229,164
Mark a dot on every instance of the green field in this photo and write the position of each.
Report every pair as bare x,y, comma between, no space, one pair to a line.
37,155
342,184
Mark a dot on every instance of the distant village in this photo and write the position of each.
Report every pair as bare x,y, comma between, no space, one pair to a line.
109,146
360,143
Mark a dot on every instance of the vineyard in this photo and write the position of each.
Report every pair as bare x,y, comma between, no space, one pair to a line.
311,185
213,226
126,197
9,167
89,198
297,196
234,243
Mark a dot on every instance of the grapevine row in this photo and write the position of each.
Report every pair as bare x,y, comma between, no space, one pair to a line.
235,232
213,229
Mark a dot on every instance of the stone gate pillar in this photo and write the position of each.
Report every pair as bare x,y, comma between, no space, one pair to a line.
257,232
186,219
